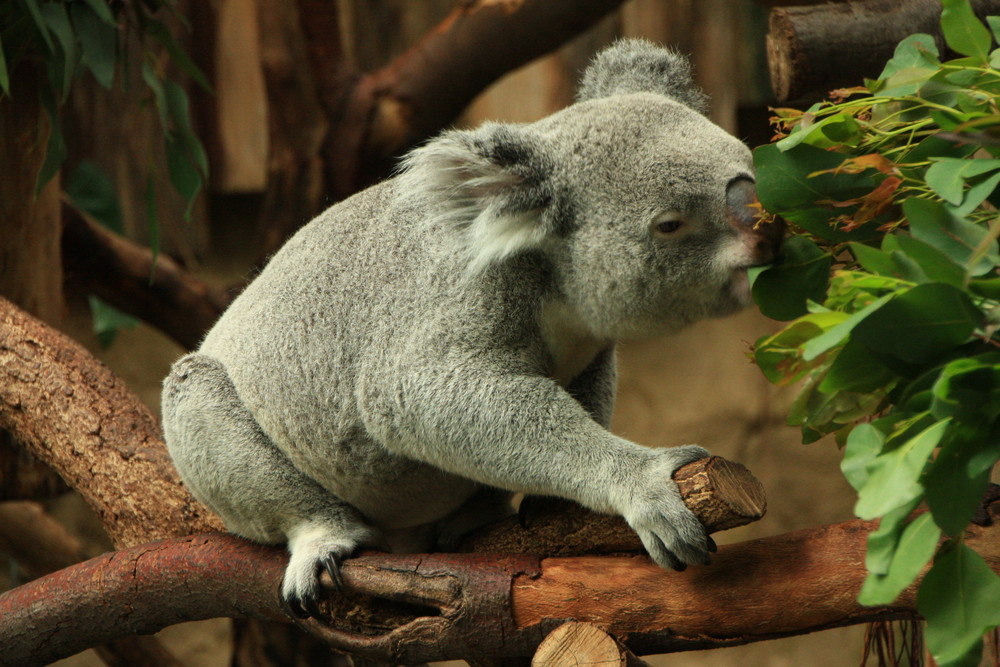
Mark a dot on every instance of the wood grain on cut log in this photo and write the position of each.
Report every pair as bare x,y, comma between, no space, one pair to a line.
722,494
575,644
812,50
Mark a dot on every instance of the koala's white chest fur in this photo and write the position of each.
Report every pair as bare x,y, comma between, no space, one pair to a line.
569,341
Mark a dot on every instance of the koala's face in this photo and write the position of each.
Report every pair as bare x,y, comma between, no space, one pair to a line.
658,233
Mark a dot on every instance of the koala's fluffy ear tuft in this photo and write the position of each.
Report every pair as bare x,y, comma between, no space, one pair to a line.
491,183
640,66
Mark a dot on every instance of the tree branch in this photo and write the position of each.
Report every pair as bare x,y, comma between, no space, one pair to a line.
125,275
812,50
437,607
70,411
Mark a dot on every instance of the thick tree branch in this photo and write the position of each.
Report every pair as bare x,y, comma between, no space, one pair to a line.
812,50
73,413
435,607
125,275
41,545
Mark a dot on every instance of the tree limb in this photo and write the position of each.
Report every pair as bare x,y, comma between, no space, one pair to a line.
437,607
70,411
812,50
126,275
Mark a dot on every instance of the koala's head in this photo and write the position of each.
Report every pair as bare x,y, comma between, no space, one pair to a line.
640,204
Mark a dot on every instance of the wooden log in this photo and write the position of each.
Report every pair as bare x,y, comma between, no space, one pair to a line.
575,644
815,49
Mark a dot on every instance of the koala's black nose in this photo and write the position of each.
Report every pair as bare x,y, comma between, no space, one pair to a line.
743,211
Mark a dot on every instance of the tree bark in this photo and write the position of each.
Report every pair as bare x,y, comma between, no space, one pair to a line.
813,50
408,609
73,413
125,275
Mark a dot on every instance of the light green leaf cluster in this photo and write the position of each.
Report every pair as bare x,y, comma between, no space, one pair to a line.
891,287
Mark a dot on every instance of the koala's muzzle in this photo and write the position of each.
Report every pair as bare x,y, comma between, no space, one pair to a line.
744,214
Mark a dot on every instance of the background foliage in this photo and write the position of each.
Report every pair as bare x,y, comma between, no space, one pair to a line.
891,288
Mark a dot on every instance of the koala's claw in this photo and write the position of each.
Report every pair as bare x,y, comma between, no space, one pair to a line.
332,564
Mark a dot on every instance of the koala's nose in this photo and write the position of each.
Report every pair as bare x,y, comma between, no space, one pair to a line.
744,214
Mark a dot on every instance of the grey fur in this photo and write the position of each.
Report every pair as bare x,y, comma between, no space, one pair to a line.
637,65
451,331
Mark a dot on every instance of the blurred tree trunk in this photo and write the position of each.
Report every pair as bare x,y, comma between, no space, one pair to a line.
30,257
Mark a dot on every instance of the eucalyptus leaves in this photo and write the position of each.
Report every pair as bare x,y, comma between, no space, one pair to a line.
892,289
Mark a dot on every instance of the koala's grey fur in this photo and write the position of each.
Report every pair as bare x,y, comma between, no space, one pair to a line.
449,333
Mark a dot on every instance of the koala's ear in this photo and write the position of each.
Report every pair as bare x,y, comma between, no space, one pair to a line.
492,183
640,66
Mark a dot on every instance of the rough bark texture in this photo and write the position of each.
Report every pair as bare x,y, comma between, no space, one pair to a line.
126,275
722,494
812,50
73,413
407,609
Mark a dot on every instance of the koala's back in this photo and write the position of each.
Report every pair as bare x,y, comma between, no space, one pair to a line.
331,305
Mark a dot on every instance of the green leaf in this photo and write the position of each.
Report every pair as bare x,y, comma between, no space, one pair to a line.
790,183
963,32
36,16
837,334
873,260
108,320
856,370
953,490
917,545
920,324
958,238
179,113
801,273
92,190
55,150
838,129
947,176
936,265
58,22
779,356
958,599
102,10
4,76
894,476
863,445
915,51
177,55
159,97
183,174
97,41
994,23
883,541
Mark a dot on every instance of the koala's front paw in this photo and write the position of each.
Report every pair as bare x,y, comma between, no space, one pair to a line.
671,533
312,550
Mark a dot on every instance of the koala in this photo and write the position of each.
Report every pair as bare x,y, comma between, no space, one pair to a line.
431,345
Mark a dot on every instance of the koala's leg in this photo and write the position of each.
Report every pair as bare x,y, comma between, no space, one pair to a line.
231,465
594,388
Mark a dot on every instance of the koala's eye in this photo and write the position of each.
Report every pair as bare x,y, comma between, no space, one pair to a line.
668,224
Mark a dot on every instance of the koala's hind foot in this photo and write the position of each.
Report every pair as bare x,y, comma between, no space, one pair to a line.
314,547
231,465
